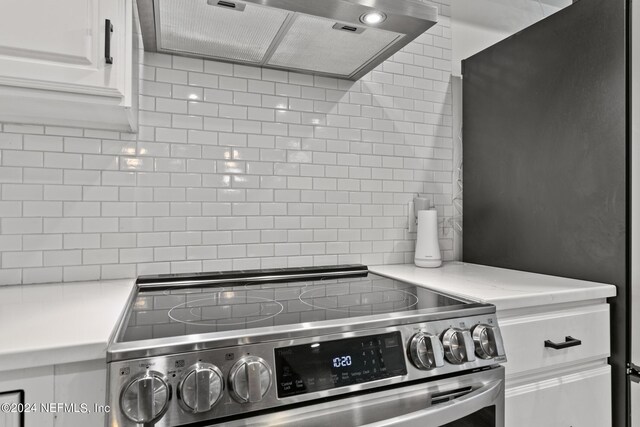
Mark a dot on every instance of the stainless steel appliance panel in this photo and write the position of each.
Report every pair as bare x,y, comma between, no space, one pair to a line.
174,368
469,400
227,30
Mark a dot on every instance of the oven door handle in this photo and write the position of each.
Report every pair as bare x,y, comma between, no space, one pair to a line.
409,407
447,412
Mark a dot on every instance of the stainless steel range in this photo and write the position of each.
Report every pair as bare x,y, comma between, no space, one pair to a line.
303,347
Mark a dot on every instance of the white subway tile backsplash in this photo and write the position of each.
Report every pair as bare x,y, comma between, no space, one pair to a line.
233,83
10,174
22,158
171,76
22,259
9,141
93,176
81,241
234,167
42,275
169,254
42,143
42,242
100,256
22,192
62,192
203,80
117,271
10,243
36,209
62,258
78,273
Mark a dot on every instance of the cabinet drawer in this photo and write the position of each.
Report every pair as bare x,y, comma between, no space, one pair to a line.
582,399
524,338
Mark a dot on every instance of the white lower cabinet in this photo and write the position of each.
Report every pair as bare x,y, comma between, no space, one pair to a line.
82,383
37,386
69,395
8,418
557,387
575,400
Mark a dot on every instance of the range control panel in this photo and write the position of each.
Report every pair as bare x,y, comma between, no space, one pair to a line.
209,385
325,365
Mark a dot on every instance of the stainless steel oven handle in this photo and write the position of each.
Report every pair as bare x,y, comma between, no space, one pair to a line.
359,411
447,412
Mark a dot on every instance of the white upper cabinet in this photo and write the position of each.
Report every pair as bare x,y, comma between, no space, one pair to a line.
54,67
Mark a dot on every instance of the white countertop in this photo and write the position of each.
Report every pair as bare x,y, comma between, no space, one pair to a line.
52,324
58,323
506,289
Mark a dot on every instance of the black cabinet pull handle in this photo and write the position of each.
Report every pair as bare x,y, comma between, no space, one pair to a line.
568,342
108,29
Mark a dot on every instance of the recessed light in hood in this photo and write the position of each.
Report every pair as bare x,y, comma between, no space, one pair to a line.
373,18
338,38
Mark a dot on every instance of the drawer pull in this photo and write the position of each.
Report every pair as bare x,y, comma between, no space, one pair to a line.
568,342
108,30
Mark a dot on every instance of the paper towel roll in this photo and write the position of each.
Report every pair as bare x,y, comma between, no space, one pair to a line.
427,245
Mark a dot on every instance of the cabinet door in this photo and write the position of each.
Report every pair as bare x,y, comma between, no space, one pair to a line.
81,383
10,419
59,45
37,385
576,400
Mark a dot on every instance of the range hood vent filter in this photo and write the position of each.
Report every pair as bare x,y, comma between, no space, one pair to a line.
323,37
317,44
198,28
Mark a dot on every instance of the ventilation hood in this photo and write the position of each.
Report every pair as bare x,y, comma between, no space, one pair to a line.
336,38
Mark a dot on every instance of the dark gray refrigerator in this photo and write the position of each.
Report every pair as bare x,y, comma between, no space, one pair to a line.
547,161
634,294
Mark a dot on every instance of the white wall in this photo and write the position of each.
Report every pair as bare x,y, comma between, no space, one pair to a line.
235,167
478,24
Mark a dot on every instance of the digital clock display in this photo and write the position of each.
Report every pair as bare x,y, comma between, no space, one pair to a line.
325,365
341,361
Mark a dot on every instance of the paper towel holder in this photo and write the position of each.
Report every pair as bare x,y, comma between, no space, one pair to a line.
427,252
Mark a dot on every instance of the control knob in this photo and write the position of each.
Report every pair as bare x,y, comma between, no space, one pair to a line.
487,341
249,379
145,398
458,346
426,351
201,388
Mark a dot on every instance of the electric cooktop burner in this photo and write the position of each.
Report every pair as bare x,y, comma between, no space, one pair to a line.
180,306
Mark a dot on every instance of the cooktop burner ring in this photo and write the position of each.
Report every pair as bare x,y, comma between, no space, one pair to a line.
199,322
350,309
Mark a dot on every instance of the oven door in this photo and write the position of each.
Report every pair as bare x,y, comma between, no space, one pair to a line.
471,400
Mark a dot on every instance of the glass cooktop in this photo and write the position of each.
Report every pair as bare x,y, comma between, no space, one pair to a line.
238,304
